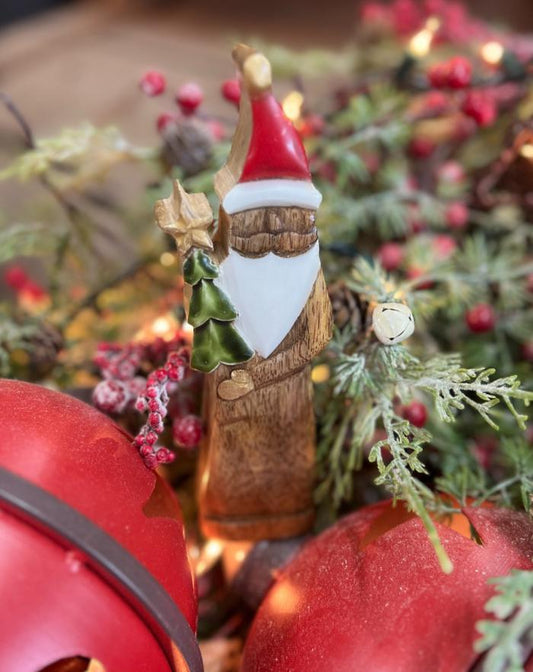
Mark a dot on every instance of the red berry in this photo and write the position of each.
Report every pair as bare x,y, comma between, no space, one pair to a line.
456,215
153,83
481,107
187,431
216,129
231,90
407,16
435,101
311,125
391,255
136,386
481,318
189,97
463,128
451,172
421,148
16,277
416,413
484,448
375,13
414,272
459,72
110,396
527,351
438,75
165,120
34,291
150,438
444,246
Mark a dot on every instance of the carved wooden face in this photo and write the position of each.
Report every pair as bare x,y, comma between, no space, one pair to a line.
284,231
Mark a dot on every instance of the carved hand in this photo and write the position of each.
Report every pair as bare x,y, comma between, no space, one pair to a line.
238,384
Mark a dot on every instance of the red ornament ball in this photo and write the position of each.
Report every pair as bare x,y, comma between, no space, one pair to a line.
416,413
231,90
153,83
92,542
391,255
481,318
189,97
187,431
481,107
456,215
368,594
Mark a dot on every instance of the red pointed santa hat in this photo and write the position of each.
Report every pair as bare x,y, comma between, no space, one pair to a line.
276,171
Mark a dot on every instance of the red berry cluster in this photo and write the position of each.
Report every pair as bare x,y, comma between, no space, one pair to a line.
118,366
406,17
189,97
456,73
154,401
21,283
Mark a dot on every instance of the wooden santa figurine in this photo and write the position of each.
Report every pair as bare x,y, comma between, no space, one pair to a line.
257,460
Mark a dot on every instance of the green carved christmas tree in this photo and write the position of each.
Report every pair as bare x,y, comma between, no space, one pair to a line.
216,340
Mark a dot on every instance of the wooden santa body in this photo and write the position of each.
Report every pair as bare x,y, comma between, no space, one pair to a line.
257,460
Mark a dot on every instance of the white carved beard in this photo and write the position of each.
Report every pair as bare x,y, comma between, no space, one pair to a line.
268,293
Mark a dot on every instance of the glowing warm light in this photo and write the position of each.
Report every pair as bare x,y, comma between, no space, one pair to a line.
209,555
167,259
292,105
419,44
527,151
164,327
234,554
161,326
284,598
492,52
320,373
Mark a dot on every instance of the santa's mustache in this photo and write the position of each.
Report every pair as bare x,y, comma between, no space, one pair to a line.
281,243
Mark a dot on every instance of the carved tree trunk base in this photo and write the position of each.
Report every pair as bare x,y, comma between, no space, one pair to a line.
257,528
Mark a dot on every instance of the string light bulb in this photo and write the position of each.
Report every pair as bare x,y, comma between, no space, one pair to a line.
209,556
292,105
492,52
420,43
167,259
527,151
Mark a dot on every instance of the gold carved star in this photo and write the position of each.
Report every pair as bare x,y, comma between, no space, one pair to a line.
186,217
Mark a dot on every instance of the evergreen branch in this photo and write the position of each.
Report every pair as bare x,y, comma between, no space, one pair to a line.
405,444
508,640
455,387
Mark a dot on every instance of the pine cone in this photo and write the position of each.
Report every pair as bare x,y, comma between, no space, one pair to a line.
348,308
188,144
43,349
